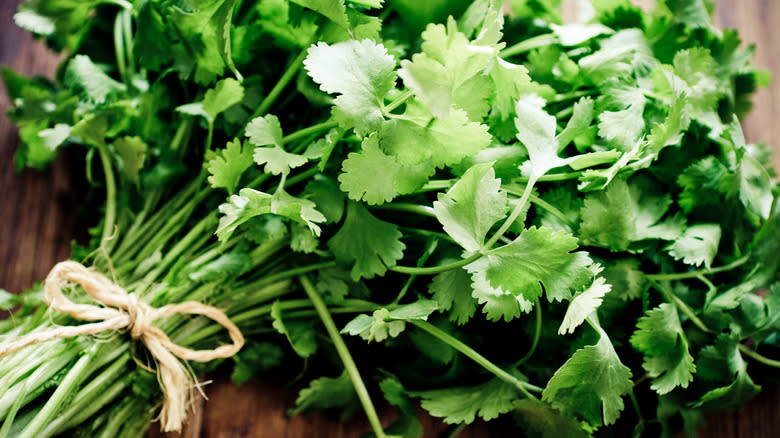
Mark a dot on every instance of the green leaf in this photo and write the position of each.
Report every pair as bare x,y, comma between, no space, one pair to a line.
227,165
255,358
226,93
374,177
55,136
299,210
89,81
590,385
325,393
449,72
266,130
583,304
660,337
300,333
241,208
361,72
416,137
471,206
366,243
697,245
222,20
8,300
755,187
303,239
334,10
91,129
539,419
463,404
625,213
626,278
278,161
383,323
537,257
407,424
723,362
452,291
326,195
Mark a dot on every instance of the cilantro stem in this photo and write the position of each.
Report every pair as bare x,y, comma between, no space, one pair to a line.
757,357
119,49
314,129
407,207
432,270
545,205
672,298
344,354
552,177
398,101
110,219
693,274
287,76
469,352
529,44
127,31
571,95
294,272
436,184
302,176
121,3
512,217
537,334
430,247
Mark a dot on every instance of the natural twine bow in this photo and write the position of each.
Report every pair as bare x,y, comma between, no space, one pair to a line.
124,310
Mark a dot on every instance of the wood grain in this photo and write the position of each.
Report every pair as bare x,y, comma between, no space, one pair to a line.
38,221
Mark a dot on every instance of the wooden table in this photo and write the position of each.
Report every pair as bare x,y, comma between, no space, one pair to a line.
38,220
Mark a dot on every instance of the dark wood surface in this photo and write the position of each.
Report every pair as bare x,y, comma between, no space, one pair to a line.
38,220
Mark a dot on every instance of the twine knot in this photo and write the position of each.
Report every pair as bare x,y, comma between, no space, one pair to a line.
120,310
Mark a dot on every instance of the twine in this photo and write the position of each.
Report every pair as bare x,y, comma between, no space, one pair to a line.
122,310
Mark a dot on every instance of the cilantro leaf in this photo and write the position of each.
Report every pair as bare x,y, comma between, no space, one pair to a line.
723,361
324,393
583,304
264,131
590,384
362,179
448,72
132,152
241,208
366,243
334,10
463,404
539,419
227,165
255,357
623,214
660,337
452,291
216,100
408,424
361,72
88,80
300,333
698,244
383,323
537,257
471,206
415,136
299,210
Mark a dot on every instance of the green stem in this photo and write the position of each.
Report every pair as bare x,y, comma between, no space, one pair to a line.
569,110
552,177
287,76
571,95
757,357
529,44
119,49
430,247
432,270
305,132
398,101
545,205
8,420
672,298
301,176
537,334
346,357
64,391
127,31
512,217
693,274
407,207
435,185
110,220
469,352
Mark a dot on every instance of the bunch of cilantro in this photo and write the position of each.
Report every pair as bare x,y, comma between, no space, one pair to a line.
490,212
